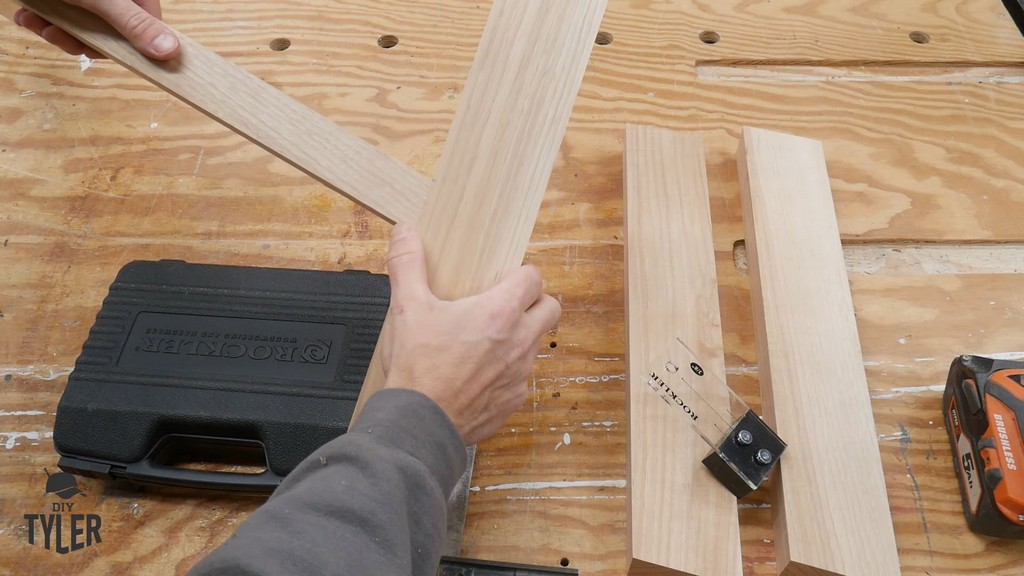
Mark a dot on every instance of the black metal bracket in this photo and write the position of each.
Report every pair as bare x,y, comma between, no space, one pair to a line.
747,454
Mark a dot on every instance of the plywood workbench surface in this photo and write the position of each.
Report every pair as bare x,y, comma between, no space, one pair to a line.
918,105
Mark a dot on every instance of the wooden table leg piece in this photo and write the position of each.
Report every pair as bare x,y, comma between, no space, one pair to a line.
681,520
831,511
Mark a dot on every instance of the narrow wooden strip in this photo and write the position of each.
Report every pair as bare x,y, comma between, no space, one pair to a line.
681,520
261,113
831,512
494,170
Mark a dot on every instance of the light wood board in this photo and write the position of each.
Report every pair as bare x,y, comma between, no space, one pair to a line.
500,151
681,520
831,510
260,113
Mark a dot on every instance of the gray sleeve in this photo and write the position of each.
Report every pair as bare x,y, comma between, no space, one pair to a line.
370,502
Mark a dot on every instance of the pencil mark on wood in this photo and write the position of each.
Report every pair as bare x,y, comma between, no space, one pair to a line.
905,441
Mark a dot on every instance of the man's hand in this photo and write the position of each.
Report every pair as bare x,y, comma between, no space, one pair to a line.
138,21
471,356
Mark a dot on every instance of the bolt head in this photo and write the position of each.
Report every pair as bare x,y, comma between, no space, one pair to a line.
744,438
764,457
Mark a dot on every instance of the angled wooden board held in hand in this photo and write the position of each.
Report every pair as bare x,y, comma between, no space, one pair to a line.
261,113
500,151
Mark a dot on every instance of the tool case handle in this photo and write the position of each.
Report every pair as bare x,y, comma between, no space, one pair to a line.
151,470
146,472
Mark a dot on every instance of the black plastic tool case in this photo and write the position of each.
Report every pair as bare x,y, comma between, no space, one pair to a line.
221,355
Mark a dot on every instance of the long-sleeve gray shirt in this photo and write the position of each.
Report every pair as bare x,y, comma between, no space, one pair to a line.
369,503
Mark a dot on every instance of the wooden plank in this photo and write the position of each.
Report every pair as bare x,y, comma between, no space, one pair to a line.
831,510
259,112
494,170
681,520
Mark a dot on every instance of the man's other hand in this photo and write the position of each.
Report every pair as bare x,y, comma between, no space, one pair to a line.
138,21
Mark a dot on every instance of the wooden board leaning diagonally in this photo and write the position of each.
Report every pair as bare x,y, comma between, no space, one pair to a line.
494,170
681,520
261,113
831,510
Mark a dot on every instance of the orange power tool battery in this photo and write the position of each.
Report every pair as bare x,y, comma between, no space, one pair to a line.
983,407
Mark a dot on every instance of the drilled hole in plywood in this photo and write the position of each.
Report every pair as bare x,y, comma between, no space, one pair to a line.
920,37
553,344
280,44
604,38
710,37
387,41
564,561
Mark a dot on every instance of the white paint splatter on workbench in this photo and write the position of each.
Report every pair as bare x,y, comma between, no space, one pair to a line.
752,368
606,424
897,436
22,413
562,484
1004,355
566,380
33,371
745,369
199,161
84,62
908,390
607,358
27,93
566,440
154,125
12,438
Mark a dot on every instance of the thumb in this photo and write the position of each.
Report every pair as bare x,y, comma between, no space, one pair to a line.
407,266
141,27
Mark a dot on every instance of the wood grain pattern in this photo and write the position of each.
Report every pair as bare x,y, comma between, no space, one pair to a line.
494,171
100,168
260,113
671,292
831,512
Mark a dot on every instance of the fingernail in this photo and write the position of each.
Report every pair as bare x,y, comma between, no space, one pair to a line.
17,17
165,43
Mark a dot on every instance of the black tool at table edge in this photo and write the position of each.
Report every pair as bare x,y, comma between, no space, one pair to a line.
467,567
1016,10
